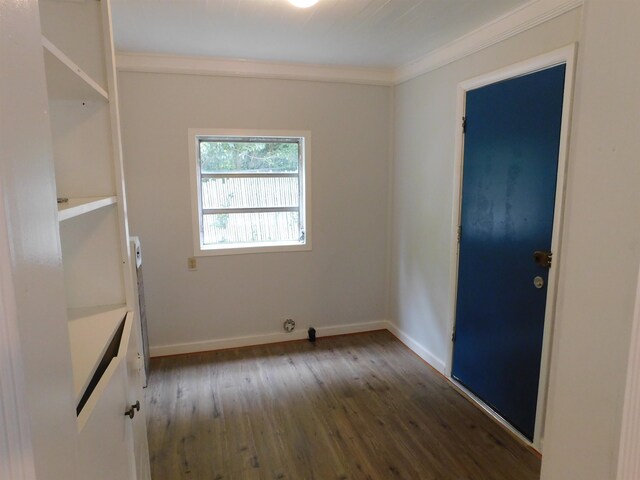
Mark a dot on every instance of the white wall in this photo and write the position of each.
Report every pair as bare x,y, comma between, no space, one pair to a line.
341,281
425,125
601,250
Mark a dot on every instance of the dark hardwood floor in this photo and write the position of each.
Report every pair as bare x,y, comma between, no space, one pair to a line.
352,407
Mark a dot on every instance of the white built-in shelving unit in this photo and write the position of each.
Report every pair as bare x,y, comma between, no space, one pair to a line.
90,331
74,207
81,126
85,130
65,79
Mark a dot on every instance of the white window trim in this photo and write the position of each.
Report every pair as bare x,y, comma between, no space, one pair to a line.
305,192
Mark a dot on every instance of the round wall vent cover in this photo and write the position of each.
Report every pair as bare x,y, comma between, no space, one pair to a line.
289,325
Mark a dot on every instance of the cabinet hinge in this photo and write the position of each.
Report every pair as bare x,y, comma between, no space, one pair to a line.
459,233
464,124
453,335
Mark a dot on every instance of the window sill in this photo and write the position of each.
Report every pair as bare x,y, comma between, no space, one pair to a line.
252,248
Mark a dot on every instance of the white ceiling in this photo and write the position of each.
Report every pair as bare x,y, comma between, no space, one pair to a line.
370,33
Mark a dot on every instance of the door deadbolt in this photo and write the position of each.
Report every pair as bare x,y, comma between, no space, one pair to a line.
538,282
543,259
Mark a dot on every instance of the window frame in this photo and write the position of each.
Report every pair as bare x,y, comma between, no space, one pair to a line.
304,175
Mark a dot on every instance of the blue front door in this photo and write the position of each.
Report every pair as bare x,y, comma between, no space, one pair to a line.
511,148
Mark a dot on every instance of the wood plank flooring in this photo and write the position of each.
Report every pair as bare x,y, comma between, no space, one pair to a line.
352,407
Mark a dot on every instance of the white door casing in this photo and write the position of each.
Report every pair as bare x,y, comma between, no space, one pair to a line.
16,455
629,455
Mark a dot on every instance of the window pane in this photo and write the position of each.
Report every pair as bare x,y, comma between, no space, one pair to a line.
250,192
251,227
248,157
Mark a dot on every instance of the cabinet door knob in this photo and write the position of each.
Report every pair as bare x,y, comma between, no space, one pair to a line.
132,411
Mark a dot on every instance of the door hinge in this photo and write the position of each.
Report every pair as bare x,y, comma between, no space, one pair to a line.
453,335
464,124
459,233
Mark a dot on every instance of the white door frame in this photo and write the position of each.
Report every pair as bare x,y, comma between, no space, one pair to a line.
629,455
565,55
16,455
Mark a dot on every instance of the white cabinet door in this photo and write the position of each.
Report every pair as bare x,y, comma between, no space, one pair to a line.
106,439
113,446
136,394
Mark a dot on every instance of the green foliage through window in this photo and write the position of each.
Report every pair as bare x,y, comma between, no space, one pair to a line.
248,157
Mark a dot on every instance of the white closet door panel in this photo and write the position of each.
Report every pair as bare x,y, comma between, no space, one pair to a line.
92,260
82,148
34,267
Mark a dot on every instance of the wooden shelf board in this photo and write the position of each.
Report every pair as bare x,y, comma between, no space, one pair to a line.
90,332
65,79
82,205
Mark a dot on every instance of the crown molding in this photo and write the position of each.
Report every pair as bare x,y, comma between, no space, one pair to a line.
508,25
140,62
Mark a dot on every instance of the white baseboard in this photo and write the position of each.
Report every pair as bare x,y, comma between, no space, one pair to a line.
439,365
249,340
417,348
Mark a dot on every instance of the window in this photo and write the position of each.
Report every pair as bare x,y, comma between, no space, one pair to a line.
249,191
